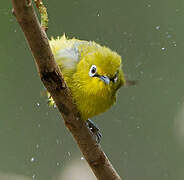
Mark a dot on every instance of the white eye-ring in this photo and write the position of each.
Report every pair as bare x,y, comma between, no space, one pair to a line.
92,71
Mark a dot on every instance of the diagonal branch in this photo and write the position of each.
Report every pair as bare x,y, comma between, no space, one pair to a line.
53,81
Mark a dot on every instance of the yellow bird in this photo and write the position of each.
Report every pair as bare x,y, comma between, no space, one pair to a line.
92,72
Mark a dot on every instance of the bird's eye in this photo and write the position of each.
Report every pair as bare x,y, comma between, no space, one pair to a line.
92,70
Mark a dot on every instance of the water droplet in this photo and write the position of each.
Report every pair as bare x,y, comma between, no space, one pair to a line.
163,48
38,104
82,158
138,64
157,27
32,159
34,176
174,43
58,141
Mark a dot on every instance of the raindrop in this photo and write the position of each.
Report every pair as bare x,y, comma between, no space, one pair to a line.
82,158
34,176
174,43
157,27
138,64
32,159
58,141
38,104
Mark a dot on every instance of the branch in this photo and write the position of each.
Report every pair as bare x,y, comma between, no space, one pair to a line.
53,81
43,13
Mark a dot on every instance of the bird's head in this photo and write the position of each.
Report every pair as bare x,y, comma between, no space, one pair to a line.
100,72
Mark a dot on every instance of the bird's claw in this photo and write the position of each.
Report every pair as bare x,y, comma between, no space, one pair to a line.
95,130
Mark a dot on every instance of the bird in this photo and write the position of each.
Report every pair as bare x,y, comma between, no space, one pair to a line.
92,72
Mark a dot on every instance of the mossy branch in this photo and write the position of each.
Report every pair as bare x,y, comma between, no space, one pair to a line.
53,81
43,13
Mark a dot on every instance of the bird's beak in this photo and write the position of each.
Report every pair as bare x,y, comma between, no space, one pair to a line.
105,79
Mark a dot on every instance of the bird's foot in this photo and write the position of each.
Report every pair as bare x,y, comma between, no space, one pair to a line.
95,130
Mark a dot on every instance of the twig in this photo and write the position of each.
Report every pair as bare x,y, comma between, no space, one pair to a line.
53,81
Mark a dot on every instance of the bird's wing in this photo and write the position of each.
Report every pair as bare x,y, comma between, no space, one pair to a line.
66,52
68,57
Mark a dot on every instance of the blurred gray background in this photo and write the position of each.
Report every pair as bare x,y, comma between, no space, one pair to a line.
143,134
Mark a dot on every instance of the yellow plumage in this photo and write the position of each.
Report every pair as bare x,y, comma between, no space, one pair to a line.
92,72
